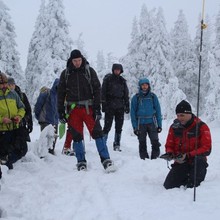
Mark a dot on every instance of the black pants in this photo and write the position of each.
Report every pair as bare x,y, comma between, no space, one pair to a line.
183,174
13,145
151,131
118,115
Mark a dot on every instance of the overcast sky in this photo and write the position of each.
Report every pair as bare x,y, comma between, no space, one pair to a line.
105,24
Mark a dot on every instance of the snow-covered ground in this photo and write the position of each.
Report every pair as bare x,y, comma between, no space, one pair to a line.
53,189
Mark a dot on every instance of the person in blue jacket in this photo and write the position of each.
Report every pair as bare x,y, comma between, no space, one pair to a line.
146,119
46,110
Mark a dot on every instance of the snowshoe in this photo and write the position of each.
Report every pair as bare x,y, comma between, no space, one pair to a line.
81,166
108,166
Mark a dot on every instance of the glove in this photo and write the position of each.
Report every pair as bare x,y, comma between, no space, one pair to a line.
159,129
181,158
97,115
136,132
167,156
126,109
62,118
30,127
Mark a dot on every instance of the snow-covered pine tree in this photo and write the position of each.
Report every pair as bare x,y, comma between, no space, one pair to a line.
100,65
9,56
52,46
217,41
80,45
185,63
161,72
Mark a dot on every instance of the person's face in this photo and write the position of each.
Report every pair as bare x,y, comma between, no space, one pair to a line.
144,86
11,86
183,118
3,86
117,71
77,62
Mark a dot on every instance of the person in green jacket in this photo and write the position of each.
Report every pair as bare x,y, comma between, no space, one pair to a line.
11,112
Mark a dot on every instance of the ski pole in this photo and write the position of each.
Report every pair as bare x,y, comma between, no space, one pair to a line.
203,26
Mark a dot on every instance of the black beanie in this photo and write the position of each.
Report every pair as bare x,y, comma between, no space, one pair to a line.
183,107
75,54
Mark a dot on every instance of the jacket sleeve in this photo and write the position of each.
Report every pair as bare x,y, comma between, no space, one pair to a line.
39,104
204,142
126,95
170,144
61,92
158,111
20,106
133,113
96,88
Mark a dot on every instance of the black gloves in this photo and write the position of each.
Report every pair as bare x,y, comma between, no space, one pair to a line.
159,129
136,132
127,109
62,118
181,158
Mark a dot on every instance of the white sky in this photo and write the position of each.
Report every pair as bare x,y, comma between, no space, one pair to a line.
105,24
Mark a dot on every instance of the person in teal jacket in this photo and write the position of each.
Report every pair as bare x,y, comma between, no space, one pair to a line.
146,119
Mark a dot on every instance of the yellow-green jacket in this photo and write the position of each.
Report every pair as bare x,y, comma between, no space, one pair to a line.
10,106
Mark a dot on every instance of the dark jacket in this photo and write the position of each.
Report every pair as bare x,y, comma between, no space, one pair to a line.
74,85
46,106
115,94
28,112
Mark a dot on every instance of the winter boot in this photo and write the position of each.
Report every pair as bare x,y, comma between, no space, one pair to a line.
108,166
116,144
0,173
82,166
155,153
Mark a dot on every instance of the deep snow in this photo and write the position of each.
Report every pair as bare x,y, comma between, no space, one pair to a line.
53,189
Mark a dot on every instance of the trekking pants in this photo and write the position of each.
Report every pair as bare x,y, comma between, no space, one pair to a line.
183,174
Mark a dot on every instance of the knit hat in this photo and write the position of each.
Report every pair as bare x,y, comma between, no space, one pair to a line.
11,81
3,78
75,54
184,107
117,66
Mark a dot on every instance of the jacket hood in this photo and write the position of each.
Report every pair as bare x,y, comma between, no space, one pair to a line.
142,81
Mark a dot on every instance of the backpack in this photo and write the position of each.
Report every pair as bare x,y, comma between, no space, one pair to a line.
87,75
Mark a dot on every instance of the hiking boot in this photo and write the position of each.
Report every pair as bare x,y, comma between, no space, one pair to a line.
81,166
68,152
107,163
155,154
116,147
51,151
144,156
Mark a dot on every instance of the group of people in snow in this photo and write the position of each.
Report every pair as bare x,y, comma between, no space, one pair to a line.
77,99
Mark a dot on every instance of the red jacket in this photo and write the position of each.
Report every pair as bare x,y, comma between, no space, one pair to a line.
183,139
